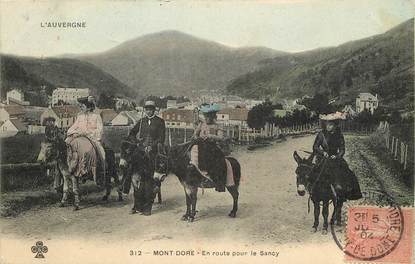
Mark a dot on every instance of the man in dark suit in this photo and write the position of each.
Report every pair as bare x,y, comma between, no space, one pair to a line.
149,132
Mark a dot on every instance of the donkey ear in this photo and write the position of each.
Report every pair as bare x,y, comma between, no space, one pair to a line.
297,157
310,158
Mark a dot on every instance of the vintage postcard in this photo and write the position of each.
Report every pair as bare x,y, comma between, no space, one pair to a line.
269,131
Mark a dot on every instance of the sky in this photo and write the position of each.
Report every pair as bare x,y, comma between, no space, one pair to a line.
286,25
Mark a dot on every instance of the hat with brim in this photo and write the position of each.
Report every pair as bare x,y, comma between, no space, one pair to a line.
333,116
210,108
150,105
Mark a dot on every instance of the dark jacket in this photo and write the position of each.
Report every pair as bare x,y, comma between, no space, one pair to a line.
337,170
52,133
152,132
332,143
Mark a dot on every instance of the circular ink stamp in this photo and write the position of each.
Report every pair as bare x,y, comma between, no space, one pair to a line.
372,229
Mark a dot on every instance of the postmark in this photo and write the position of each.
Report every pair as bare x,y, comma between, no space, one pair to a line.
373,228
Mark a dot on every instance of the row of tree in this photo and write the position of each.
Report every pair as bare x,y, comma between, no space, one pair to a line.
263,113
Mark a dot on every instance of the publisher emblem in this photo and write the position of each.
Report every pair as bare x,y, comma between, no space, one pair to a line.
39,249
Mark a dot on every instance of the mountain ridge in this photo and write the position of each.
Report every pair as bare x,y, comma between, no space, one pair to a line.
379,64
150,62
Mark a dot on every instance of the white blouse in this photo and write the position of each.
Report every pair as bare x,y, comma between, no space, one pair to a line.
89,124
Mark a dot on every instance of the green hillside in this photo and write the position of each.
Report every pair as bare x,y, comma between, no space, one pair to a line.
382,64
30,74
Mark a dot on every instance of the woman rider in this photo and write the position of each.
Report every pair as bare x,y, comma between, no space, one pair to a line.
329,148
89,124
206,137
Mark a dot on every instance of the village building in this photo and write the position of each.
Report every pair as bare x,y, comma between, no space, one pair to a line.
179,118
68,95
349,111
107,115
15,97
32,119
11,112
233,101
33,114
280,112
171,104
233,117
367,101
12,127
251,103
126,118
64,115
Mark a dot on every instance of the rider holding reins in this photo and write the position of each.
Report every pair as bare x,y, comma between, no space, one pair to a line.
88,123
149,133
206,137
329,148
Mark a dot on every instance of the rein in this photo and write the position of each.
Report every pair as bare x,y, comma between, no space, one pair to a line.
314,183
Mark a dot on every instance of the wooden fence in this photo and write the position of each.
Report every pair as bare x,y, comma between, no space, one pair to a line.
399,150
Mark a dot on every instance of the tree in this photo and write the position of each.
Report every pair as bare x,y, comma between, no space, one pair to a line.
260,114
365,117
395,117
319,103
106,101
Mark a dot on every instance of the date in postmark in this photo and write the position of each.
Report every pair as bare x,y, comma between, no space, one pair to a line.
375,230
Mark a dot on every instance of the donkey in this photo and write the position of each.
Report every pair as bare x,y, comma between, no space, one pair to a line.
133,166
318,185
176,160
57,151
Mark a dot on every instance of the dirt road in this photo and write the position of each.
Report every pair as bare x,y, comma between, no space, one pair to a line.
271,216
269,211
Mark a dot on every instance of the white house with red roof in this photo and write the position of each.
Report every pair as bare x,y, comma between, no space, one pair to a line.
178,118
233,117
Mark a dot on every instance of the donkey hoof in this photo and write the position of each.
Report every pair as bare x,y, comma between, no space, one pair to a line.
190,219
61,204
314,229
75,208
232,214
185,217
324,231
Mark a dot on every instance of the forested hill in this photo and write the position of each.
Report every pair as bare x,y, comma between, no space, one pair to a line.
30,74
382,64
